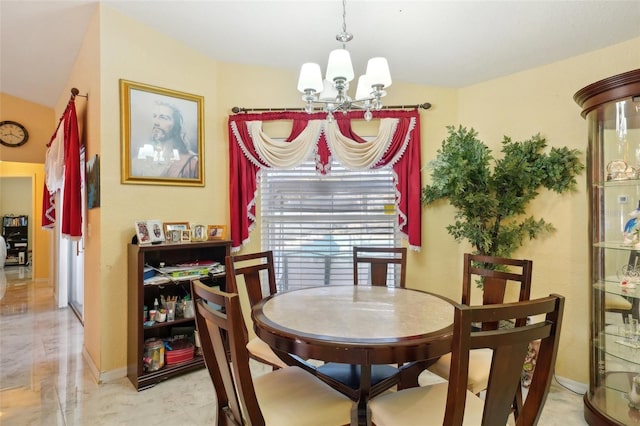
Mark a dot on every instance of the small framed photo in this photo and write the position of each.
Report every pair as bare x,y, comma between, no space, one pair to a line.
173,231
199,233
149,231
186,236
216,232
173,236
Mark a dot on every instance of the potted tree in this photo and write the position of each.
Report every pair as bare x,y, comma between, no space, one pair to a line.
491,195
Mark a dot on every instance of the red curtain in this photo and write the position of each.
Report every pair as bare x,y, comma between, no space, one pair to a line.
403,155
71,209
72,202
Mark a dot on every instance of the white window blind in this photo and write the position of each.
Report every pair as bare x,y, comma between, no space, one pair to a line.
311,222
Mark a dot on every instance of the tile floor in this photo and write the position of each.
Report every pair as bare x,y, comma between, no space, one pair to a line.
45,381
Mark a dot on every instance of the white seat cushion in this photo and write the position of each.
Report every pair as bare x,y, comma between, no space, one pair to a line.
617,302
258,348
421,406
291,396
479,366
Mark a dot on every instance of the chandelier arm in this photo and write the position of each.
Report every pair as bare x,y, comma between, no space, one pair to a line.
236,110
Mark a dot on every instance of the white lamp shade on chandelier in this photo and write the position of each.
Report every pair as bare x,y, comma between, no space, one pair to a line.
310,78
378,72
339,65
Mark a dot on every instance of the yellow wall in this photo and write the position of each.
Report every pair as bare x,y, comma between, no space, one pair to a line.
39,122
131,51
538,100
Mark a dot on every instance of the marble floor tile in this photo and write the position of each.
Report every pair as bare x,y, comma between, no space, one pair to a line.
45,381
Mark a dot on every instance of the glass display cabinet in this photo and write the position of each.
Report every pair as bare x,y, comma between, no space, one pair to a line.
612,110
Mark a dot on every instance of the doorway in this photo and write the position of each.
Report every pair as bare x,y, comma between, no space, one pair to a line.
45,252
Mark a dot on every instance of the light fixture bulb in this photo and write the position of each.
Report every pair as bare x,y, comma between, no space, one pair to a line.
310,78
339,65
363,91
328,92
378,72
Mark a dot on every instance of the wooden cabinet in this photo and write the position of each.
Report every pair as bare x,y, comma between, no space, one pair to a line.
15,230
165,270
612,110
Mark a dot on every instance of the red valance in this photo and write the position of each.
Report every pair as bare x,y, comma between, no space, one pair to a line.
402,154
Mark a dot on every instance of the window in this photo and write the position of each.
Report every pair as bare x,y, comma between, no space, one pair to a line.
312,221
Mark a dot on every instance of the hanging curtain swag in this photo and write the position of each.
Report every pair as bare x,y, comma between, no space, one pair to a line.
397,145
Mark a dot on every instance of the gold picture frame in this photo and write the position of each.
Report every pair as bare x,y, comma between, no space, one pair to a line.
198,233
175,226
216,232
162,134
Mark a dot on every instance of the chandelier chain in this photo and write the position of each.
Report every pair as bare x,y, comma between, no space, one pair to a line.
344,36
344,16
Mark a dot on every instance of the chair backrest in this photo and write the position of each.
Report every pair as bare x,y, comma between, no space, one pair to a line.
496,273
380,259
219,321
510,348
256,269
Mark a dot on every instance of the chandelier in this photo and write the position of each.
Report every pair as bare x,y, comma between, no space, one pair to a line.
331,93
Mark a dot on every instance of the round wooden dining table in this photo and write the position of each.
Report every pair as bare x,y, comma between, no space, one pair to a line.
361,325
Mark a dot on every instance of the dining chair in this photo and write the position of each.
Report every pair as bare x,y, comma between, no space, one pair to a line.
451,403
380,261
496,273
257,273
618,304
286,396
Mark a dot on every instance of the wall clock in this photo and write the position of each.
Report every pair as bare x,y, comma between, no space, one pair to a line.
13,134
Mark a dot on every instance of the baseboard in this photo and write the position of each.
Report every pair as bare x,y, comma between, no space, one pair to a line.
105,376
572,385
113,375
92,367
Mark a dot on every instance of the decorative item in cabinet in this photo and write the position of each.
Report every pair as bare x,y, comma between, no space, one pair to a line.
162,273
612,109
15,230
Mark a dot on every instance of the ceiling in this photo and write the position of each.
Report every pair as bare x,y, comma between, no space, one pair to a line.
438,43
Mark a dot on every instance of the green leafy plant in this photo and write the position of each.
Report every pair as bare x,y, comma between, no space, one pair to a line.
491,195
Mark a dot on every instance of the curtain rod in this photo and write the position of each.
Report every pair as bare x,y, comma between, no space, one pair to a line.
236,109
75,92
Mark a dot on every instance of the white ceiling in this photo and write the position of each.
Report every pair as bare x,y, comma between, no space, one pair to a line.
439,43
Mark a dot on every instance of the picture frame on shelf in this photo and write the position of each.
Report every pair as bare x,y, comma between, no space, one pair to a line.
185,236
216,232
173,236
162,136
173,231
149,232
199,233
